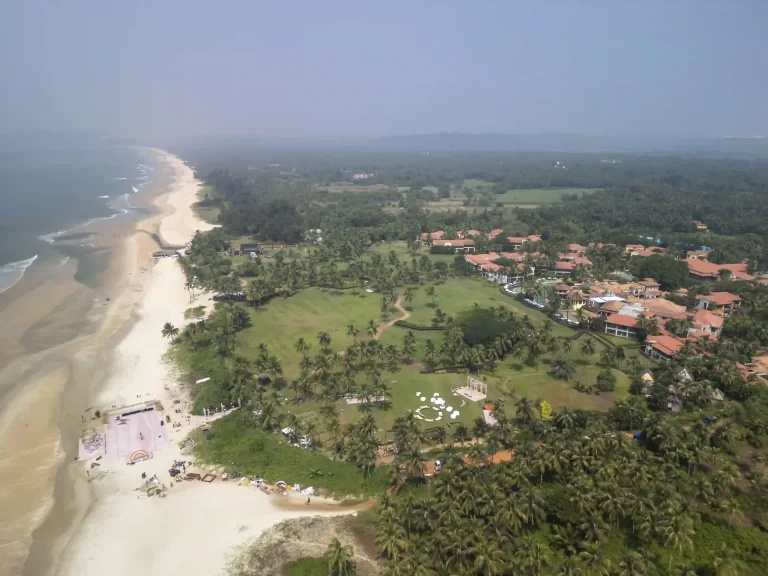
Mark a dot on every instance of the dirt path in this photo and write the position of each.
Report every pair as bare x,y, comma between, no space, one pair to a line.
405,316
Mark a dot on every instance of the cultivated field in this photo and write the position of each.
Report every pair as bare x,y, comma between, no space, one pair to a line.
338,187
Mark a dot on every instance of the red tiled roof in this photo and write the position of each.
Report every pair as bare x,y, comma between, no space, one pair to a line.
480,259
622,320
569,266
701,335
667,345
704,318
613,306
495,232
454,243
434,235
708,270
719,298
651,251
576,248
472,233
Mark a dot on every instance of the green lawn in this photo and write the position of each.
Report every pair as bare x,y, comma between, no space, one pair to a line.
338,187
280,322
460,294
535,383
539,195
405,384
406,188
403,255
235,439
474,183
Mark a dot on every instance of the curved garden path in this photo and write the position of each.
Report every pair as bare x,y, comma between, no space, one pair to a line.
405,316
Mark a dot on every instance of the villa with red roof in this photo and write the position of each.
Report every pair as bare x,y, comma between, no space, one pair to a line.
486,265
722,301
466,245
708,272
518,241
621,325
705,321
662,348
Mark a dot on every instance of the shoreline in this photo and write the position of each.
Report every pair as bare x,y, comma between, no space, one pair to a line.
97,526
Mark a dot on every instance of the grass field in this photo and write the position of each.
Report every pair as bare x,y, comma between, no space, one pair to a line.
539,195
405,384
535,383
280,322
234,438
404,256
338,187
459,294
406,188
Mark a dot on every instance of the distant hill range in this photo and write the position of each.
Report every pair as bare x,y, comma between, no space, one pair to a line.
572,143
458,142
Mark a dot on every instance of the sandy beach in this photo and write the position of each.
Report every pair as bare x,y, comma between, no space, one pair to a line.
56,519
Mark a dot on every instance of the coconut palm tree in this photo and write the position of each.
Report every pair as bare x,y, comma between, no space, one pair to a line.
430,291
408,295
619,354
324,339
587,346
632,564
340,559
677,531
524,409
725,563
409,345
170,331
225,340
352,332
302,347
561,369
372,329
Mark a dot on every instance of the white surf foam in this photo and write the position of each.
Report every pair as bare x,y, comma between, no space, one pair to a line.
11,273
105,196
121,178
135,189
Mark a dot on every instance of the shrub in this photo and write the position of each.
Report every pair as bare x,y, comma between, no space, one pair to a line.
606,380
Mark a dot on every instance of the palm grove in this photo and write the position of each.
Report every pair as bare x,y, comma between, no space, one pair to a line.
580,496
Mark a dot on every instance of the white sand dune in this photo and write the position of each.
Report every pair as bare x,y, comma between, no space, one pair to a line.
196,528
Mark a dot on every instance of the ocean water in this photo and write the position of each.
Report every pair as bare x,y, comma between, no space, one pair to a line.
52,187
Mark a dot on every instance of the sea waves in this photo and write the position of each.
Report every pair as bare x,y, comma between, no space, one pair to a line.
11,273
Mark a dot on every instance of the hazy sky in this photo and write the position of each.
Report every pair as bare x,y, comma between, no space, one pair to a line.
361,68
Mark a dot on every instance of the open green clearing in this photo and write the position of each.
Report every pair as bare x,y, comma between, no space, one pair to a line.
459,294
539,195
235,438
339,187
279,323
402,253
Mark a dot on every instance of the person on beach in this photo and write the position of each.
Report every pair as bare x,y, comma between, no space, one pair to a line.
141,436
307,500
